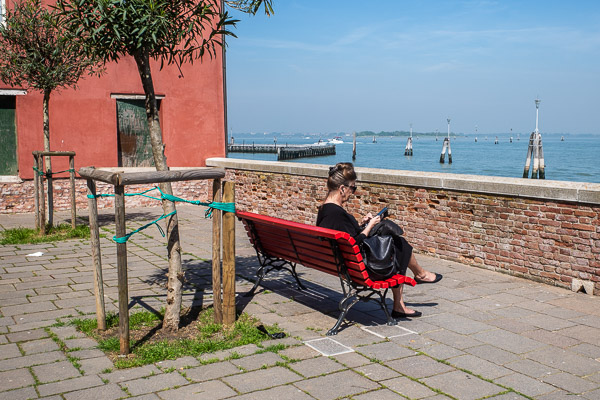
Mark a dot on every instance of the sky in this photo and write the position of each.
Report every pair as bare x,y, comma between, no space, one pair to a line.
325,66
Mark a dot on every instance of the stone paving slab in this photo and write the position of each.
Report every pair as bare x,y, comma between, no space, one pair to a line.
110,391
286,392
55,371
122,375
262,379
407,387
316,366
34,359
25,393
69,385
205,390
15,379
211,371
462,386
336,385
154,383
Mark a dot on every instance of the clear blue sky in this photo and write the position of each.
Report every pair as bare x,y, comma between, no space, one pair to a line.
323,66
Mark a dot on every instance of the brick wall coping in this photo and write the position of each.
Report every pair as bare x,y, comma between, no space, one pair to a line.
577,192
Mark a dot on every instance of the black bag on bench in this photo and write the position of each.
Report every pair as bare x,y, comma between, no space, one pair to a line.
379,254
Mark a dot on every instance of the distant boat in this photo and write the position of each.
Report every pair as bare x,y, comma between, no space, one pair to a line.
374,140
321,142
475,139
562,138
336,140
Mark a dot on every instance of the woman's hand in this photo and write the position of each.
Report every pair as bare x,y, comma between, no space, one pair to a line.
371,223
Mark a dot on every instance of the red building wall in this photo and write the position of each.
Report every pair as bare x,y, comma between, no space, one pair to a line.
85,120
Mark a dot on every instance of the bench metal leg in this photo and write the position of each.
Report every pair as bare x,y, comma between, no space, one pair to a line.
390,320
345,306
300,285
268,264
260,274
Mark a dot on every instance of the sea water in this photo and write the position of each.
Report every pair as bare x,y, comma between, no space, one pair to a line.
576,158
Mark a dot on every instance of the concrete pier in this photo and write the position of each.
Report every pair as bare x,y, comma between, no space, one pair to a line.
284,152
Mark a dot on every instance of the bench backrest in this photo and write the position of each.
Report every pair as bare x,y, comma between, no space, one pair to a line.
309,245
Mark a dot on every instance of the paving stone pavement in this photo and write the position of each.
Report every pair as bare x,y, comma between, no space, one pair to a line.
483,334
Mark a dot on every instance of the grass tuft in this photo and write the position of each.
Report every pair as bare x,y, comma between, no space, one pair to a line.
208,337
54,234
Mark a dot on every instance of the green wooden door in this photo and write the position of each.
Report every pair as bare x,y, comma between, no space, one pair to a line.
8,136
135,149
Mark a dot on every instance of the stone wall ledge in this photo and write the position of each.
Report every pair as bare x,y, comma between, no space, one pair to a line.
576,192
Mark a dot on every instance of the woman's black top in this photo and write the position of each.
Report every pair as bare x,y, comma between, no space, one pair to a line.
333,216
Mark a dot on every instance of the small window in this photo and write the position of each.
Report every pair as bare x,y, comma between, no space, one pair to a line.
134,148
8,136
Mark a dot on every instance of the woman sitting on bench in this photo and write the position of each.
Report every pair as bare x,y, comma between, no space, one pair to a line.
341,185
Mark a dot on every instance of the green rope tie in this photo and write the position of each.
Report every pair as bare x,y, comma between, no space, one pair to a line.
124,239
60,172
226,207
50,173
40,173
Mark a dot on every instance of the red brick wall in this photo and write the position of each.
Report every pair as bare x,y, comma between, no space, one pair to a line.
550,241
19,197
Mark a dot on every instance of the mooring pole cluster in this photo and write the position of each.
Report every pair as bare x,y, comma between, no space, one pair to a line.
408,150
535,150
445,146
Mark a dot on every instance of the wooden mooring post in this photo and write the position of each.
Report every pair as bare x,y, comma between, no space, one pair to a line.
354,146
446,145
535,151
119,181
408,150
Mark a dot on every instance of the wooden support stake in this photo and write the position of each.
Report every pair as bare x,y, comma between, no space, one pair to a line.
354,146
50,180
228,257
96,255
36,187
72,180
122,270
42,198
216,253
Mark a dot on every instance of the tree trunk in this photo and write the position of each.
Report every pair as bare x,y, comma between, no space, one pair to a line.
175,274
47,159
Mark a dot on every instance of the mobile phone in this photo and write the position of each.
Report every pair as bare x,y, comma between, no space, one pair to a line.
383,213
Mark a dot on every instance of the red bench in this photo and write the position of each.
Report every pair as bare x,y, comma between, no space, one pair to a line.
282,244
